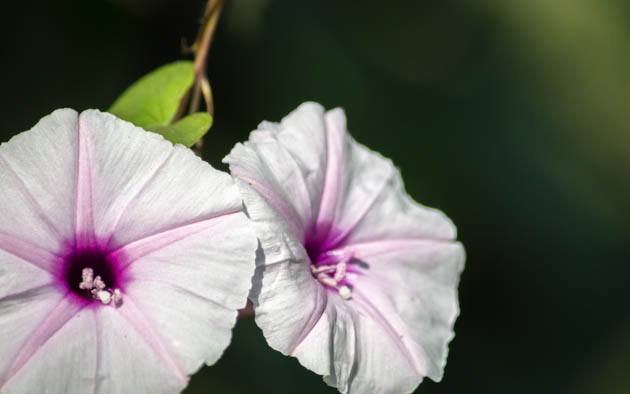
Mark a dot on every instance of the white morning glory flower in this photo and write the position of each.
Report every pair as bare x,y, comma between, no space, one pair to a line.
359,282
123,259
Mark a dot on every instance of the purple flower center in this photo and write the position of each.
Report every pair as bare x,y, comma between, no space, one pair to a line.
331,265
92,274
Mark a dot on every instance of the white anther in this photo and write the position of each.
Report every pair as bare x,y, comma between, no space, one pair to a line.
117,297
104,296
87,276
98,288
345,292
99,284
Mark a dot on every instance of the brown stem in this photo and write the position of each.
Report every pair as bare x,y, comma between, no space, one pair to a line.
247,311
201,86
201,48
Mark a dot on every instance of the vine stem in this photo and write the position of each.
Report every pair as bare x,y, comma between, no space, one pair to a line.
200,49
247,311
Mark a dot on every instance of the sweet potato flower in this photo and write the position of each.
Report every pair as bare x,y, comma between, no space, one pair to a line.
357,280
123,259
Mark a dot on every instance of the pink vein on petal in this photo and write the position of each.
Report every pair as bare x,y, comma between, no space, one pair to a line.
144,328
65,310
28,252
84,216
143,184
23,294
303,189
98,351
314,318
144,246
333,176
30,198
363,213
381,320
370,249
279,204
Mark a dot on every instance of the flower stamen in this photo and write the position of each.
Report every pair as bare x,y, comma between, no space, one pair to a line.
323,269
98,288
334,275
98,283
87,276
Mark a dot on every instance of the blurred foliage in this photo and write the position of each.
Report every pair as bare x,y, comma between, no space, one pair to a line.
508,115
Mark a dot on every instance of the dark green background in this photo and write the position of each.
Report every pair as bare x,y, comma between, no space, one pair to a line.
511,116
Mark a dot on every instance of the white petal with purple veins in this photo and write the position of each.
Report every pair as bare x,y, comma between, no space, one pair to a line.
359,281
123,259
63,360
284,163
148,366
281,279
192,292
37,178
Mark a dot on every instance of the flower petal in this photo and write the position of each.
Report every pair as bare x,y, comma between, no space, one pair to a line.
353,354
127,361
110,355
288,302
414,289
72,342
191,289
37,174
374,204
54,320
23,307
286,163
334,178
145,185
18,276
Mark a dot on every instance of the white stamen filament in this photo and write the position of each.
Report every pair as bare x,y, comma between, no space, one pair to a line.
322,269
327,280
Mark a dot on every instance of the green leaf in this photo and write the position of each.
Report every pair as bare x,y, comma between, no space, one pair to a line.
152,103
154,99
186,131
